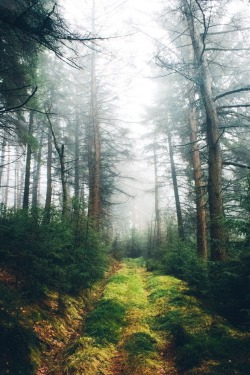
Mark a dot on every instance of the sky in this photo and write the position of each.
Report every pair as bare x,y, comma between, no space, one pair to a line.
132,27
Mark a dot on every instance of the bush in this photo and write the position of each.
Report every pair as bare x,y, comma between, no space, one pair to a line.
181,261
50,256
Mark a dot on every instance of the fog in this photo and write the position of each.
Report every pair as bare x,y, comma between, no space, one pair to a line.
130,82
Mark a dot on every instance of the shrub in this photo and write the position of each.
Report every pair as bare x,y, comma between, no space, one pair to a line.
181,261
50,256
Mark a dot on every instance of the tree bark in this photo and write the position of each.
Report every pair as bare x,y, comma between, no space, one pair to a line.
48,199
2,164
6,195
157,233
176,190
28,165
94,209
201,223
37,170
61,153
217,230
77,155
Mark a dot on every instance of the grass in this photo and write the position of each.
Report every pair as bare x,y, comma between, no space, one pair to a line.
119,327
204,343
138,323
105,322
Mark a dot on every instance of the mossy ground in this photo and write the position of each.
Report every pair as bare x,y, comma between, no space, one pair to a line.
118,335
204,343
146,324
132,323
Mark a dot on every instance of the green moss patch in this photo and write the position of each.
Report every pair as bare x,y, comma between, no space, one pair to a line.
105,322
204,343
140,343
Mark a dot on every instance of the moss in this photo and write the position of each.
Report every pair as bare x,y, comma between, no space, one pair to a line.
105,322
140,343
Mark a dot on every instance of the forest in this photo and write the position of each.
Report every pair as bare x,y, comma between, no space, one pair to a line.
124,187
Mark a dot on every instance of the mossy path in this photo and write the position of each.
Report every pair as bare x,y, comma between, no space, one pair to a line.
148,324
120,336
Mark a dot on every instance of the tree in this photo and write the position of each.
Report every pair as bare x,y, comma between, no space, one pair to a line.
176,189
200,191
217,228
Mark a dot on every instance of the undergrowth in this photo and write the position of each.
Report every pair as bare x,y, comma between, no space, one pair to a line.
204,342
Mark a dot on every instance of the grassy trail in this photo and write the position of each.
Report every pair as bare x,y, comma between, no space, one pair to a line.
147,324
119,335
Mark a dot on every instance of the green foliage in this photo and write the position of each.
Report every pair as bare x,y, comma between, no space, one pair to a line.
49,256
199,348
104,323
203,343
135,246
230,289
181,261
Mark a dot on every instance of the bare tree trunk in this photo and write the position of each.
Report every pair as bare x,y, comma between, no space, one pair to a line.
28,164
48,199
61,154
20,174
176,190
65,204
36,172
95,147
217,230
77,154
157,209
2,162
199,185
77,176
7,179
17,180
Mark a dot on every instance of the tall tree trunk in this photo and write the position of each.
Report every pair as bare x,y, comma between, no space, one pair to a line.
36,173
61,153
28,164
48,199
7,179
16,184
2,162
176,190
157,209
76,176
217,230
95,147
65,204
199,184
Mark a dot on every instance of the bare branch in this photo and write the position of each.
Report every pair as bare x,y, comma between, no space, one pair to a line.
3,110
247,88
234,106
236,164
227,49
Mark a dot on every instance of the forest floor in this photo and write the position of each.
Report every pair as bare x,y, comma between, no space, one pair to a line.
140,323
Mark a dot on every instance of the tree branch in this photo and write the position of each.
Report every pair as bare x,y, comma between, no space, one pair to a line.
226,49
247,88
229,31
236,164
3,110
234,106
